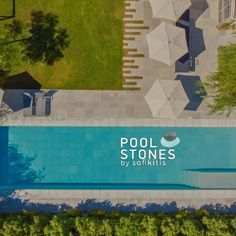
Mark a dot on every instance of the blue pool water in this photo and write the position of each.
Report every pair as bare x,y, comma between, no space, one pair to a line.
90,158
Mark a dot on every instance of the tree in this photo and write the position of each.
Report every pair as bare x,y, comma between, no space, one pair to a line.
7,54
59,226
39,222
16,226
216,227
86,226
15,28
136,225
89,226
190,227
149,225
170,226
106,228
233,225
46,40
118,223
221,85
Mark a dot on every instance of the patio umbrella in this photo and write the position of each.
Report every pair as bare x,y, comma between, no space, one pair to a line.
167,43
169,9
167,99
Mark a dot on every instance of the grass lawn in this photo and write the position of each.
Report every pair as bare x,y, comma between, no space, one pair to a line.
5,8
94,58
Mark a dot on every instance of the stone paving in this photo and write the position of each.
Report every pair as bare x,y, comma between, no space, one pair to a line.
129,108
125,200
115,105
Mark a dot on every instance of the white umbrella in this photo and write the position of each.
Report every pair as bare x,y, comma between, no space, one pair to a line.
169,9
167,99
167,43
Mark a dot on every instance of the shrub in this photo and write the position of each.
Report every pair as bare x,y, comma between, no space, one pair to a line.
72,223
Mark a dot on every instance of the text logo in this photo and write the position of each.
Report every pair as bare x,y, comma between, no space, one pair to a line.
144,151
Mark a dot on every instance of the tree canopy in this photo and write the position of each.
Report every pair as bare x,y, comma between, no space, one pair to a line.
15,28
221,85
7,53
101,223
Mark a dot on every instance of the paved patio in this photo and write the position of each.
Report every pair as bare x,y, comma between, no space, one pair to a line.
129,108
116,105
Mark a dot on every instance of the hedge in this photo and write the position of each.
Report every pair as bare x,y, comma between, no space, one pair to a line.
102,223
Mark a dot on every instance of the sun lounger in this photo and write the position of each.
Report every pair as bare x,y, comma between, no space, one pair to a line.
43,104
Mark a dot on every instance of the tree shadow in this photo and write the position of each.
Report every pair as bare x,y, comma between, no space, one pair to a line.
220,208
19,168
191,88
93,204
9,203
16,168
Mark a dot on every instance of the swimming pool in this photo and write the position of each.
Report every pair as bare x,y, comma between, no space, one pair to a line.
117,158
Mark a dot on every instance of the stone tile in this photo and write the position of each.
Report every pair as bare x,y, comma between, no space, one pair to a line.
78,107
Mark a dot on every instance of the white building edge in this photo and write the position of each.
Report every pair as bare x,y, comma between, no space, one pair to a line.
226,13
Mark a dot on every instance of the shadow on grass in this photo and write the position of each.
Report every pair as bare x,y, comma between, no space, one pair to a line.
14,88
19,81
13,8
5,18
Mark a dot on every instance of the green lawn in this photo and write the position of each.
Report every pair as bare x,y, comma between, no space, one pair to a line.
5,8
94,58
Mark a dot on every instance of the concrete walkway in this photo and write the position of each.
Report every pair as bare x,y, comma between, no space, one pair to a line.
149,201
95,108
